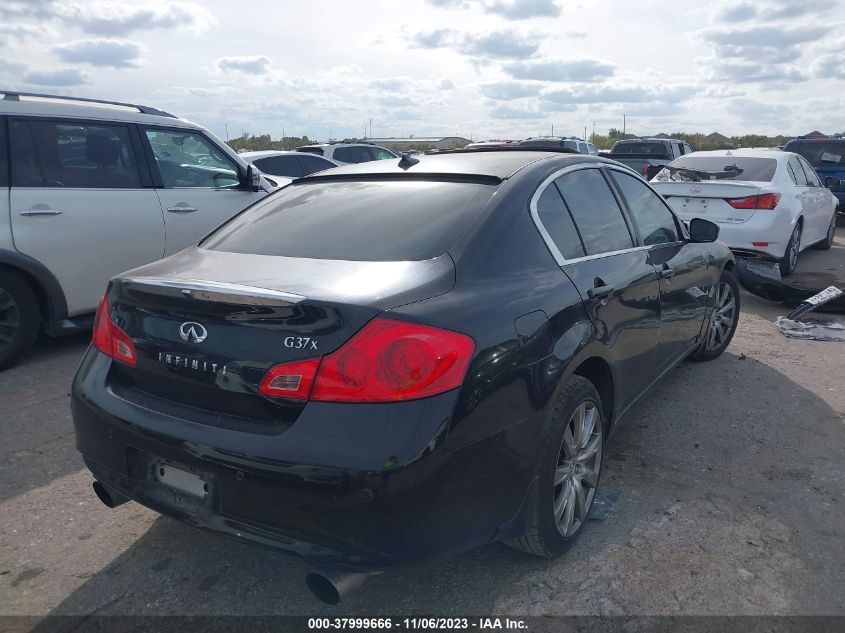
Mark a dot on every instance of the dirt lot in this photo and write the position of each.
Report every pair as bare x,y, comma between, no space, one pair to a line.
732,501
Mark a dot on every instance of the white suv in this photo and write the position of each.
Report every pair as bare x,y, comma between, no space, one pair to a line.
346,153
89,189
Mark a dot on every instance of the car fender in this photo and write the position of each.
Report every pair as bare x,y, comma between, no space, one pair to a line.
45,284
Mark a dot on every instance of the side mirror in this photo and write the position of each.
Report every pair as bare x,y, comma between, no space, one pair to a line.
253,178
701,230
832,181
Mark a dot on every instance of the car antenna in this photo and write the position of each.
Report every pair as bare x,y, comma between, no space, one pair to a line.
408,161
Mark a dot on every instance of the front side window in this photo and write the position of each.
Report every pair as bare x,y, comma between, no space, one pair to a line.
382,154
596,213
810,173
312,164
653,220
188,159
80,155
555,218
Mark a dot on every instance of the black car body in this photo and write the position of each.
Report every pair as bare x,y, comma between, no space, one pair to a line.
470,249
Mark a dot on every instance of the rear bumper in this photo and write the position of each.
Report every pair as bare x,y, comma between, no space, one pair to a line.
355,486
770,229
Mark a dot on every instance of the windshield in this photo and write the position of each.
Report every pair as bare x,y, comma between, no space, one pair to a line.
821,153
356,220
727,168
658,149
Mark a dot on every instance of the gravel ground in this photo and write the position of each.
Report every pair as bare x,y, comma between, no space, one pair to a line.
731,501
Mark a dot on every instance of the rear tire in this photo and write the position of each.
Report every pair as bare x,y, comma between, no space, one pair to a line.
722,325
19,317
827,242
568,475
790,257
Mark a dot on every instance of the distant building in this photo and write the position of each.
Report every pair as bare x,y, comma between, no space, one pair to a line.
717,140
421,142
814,134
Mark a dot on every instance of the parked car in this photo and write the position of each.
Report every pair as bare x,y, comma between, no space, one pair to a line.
769,204
558,142
347,153
492,144
646,156
91,188
287,164
827,157
444,375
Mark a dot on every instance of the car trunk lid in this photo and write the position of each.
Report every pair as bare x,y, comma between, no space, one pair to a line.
708,199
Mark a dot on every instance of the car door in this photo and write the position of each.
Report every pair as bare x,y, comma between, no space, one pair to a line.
198,185
682,267
819,211
588,234
82,203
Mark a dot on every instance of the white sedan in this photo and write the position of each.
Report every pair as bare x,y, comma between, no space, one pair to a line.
768,203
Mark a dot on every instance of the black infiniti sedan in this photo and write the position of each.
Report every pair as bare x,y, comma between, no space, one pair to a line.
401,359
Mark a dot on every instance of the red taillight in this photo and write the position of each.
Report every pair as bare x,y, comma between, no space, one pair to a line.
645,170
759,243
387,361
290,380
766,201
110,339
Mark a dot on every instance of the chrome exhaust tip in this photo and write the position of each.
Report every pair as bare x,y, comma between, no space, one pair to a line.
110,498
331,585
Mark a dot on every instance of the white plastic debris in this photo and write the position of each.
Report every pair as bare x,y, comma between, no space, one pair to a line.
813,329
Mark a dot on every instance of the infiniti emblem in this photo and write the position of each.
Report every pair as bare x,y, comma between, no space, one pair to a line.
695,189
193,332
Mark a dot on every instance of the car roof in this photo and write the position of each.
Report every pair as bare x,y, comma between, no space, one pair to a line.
499,163
262,153
25,104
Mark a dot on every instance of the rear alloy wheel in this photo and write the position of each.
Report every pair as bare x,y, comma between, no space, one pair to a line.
559,502
790,257
827,242
720,330
19,317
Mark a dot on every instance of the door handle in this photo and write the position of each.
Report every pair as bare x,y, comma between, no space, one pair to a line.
666,272
599,292
180,209
41,212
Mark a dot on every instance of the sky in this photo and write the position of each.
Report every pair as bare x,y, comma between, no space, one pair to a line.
474,68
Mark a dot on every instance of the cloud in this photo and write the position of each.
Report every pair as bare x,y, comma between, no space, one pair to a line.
16,31
111,18
508,9
113,53
522,9
752,110
618,94
503,44
248,64
505,90
578,70
390,84
830,67
446,84
769,11
59,77
511,112
765,35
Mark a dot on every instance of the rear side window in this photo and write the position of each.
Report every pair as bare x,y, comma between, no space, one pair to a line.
312,164
358,220
555,218
812,176
83,155
596,213
654,221
382,154
354,154
798,172
280,166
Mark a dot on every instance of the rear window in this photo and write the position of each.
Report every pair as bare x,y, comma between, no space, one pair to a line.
655,149
757,169
359,221
820,154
